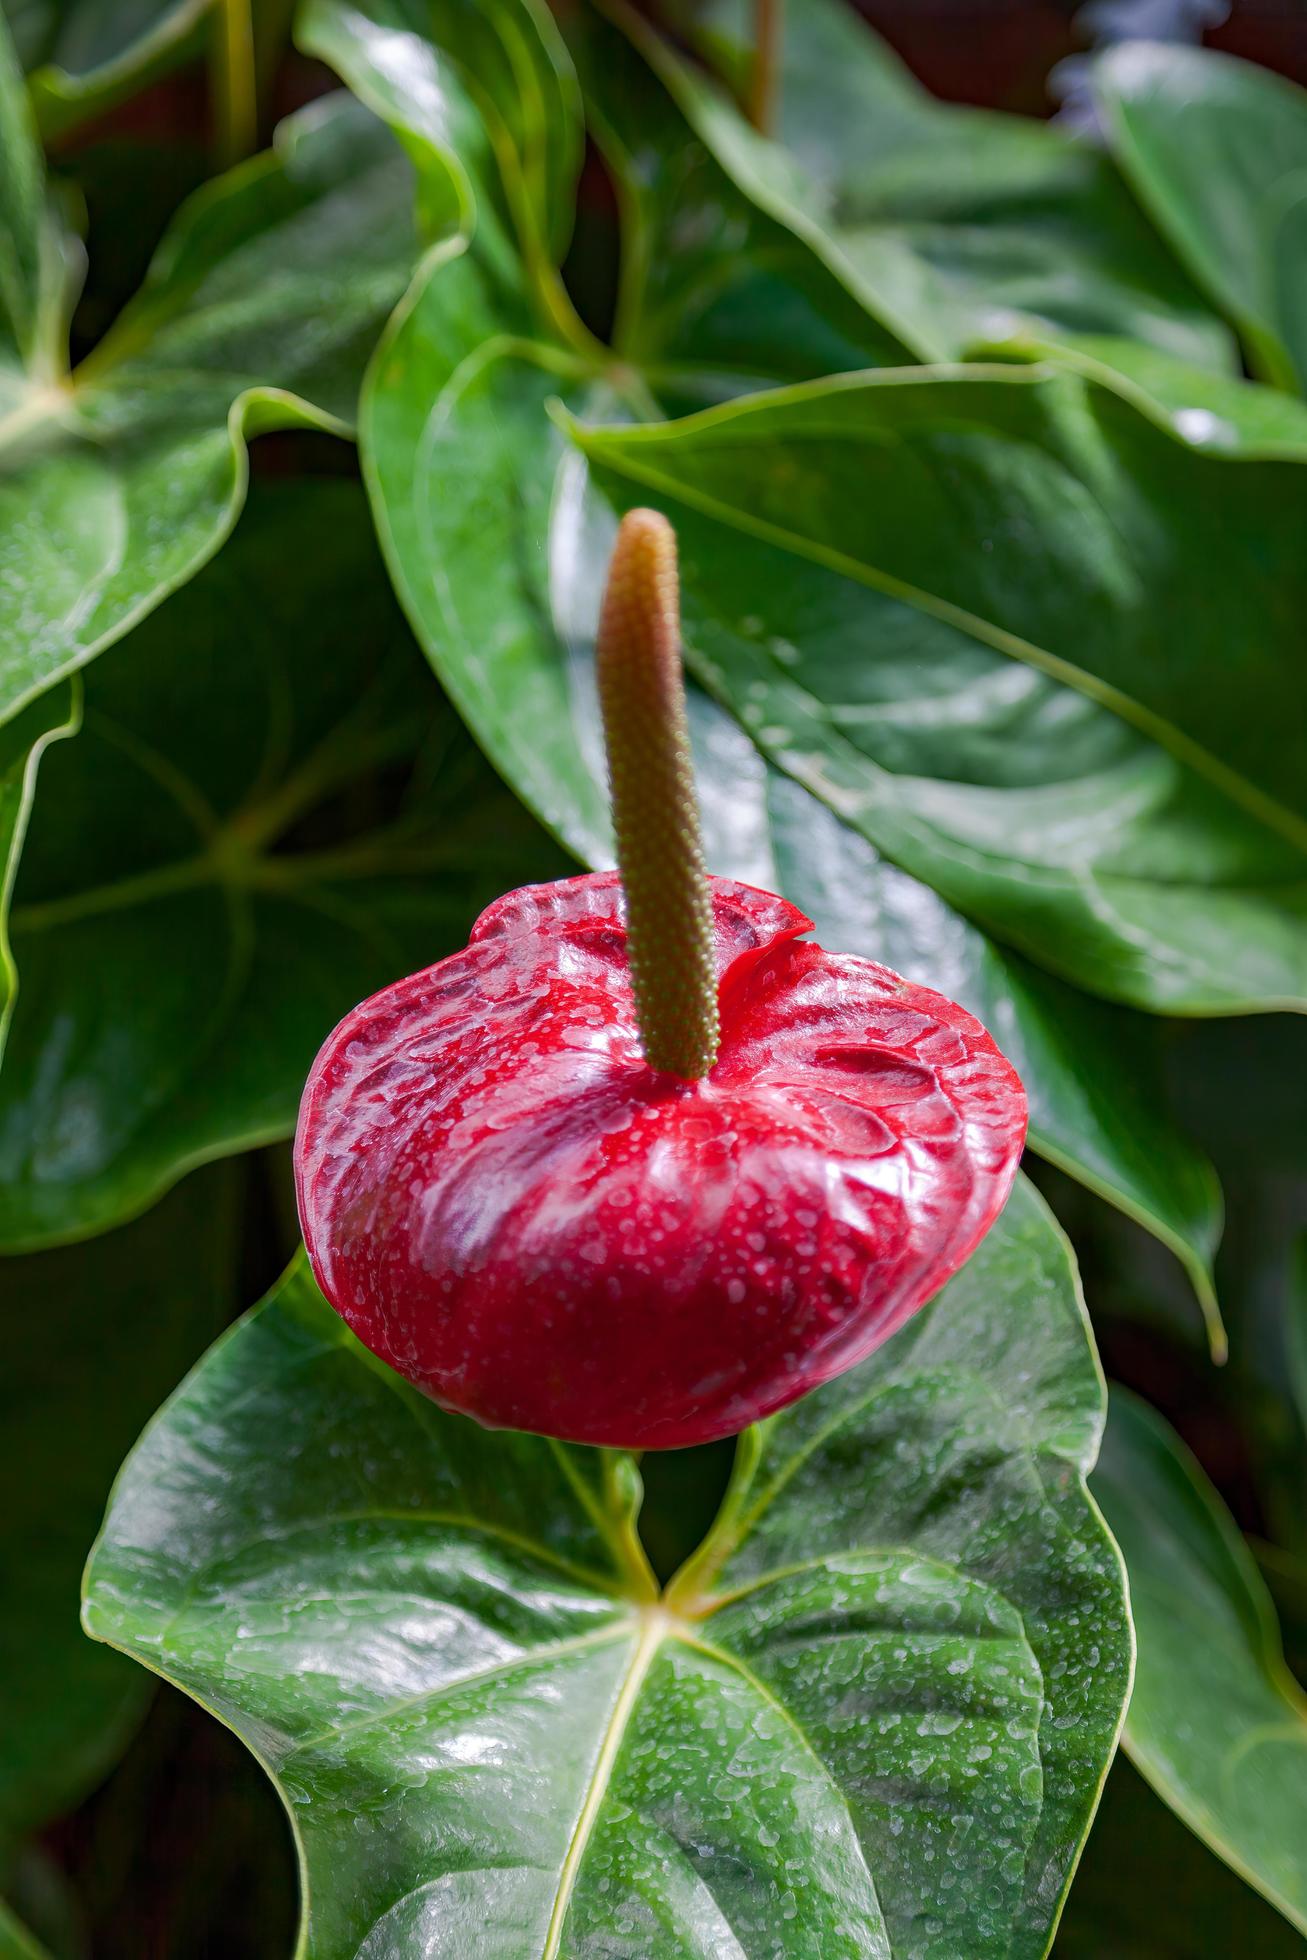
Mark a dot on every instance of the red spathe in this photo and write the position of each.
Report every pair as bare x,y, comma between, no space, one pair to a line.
512,1209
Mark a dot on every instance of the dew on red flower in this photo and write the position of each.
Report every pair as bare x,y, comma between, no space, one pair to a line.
507,1204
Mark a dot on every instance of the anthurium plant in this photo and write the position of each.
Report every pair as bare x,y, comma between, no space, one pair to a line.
632,655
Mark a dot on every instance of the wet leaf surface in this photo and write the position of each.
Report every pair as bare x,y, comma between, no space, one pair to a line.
871,1717
980,521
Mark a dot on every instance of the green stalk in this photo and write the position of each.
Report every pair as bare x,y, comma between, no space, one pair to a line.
235,82
764,82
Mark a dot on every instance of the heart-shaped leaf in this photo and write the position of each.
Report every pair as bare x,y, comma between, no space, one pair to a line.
259,825
1216,150
950,224
871,1717
1018,515
259,312
1217,1723
94,1336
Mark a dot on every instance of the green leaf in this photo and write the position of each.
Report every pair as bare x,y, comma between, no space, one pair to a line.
1215,412
84,56
20,215
93,1337
386,56
872,1717
1147,1889
481,89
510,54
715,295
991,521
1216,150
270,813
987,1388
950,224
259,312
1217,1723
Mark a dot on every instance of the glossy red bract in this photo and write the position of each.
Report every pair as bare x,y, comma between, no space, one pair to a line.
512,1209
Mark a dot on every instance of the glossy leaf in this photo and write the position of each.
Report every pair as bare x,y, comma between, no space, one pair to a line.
94,1335
82,55
259,312
1148,1889
482,89
949,224
386,55
511,56
1217,1723
1216,150
872,1718
889,1455
270,813
716,296
1220,413
868,504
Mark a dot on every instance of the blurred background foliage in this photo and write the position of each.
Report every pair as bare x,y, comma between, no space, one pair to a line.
130,1824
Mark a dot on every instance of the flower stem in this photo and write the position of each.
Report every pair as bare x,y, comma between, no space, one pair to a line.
769,21
234,83
655,809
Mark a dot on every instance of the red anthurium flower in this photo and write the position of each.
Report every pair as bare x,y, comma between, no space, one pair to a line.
642,1164
514,1210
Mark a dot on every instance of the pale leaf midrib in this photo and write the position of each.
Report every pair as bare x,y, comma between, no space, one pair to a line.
655,1630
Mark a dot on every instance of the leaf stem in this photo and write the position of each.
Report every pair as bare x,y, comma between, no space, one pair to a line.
235,88
764,82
